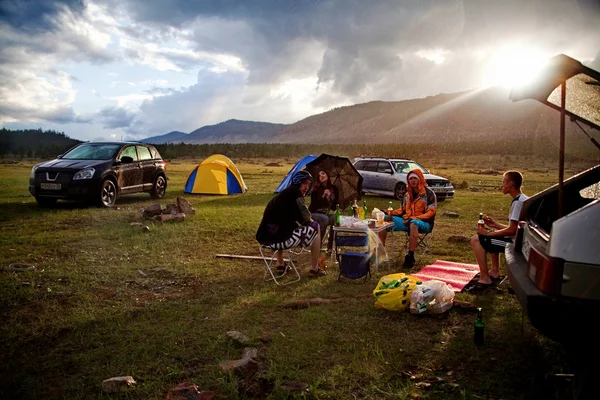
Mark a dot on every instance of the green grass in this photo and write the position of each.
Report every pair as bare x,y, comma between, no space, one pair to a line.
107,299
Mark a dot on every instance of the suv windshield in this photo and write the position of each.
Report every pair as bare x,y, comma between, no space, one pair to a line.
404,167
92,152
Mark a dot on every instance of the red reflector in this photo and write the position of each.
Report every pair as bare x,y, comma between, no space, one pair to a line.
545,271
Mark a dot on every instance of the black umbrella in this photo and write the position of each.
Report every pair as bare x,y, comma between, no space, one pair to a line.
342,174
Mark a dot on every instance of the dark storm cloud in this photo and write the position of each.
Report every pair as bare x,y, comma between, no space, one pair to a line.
116,117
361,43
34,15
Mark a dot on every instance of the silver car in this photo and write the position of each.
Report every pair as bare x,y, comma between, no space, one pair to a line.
387,176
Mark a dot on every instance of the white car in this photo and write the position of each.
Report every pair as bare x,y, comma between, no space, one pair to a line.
554,264
387,176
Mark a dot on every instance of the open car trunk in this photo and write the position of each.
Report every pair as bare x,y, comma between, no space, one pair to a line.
554,264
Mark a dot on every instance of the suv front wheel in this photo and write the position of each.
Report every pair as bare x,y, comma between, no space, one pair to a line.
399,191
108,194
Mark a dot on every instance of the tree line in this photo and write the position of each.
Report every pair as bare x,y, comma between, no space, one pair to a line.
36,143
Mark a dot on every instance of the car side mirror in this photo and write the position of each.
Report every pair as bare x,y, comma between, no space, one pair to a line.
126,159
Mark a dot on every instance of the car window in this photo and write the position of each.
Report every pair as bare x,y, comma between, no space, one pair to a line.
360,165
92,151
413,165
384,167
130,152
401,167
144,153
371,166
154,152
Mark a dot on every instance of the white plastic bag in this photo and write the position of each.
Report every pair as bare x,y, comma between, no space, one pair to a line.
374,212
431,297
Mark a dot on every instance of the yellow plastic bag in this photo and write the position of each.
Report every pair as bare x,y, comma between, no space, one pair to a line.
393,291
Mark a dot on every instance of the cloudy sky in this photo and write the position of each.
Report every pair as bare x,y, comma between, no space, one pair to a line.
112,69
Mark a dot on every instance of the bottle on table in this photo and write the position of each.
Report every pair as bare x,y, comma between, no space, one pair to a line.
481,222
479,327
350,211
355,209
338,215
389,212
364,210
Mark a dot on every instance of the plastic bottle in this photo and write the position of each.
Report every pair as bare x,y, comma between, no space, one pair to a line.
364,210
323,259
479,327
338,215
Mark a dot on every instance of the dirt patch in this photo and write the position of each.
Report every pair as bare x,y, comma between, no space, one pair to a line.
273,164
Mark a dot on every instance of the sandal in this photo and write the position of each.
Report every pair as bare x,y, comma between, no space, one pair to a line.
315,273
479,286
498,278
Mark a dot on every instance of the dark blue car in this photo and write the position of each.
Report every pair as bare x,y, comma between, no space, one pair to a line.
98,173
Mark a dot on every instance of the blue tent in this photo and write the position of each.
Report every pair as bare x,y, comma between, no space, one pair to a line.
299,166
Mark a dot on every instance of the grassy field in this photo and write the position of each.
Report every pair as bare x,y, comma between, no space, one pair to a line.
103,298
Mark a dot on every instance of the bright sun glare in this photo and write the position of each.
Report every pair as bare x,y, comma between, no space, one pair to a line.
514,65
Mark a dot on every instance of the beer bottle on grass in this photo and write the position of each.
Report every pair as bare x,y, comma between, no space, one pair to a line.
479,326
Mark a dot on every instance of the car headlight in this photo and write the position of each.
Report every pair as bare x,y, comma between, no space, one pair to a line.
87,173
32,173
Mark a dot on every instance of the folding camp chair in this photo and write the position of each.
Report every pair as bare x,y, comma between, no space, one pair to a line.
423,242
272,273
353,264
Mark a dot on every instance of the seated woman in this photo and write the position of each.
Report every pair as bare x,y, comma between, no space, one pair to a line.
287,223
323,200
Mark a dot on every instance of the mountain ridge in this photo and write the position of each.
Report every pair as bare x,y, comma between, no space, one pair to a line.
472,115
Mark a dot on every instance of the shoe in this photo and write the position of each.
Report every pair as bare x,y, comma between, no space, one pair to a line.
499,278
409,261
317,273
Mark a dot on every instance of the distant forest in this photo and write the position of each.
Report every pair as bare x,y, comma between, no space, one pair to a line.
35,143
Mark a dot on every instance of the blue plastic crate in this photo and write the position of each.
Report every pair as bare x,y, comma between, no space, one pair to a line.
355,265
352,241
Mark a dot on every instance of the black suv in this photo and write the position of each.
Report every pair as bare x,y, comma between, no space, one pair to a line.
99,173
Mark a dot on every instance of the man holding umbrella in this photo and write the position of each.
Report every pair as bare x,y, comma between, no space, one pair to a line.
418,215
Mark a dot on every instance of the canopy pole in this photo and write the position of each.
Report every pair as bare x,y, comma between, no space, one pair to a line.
561,160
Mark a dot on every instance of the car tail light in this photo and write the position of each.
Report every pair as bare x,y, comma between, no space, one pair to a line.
545,271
